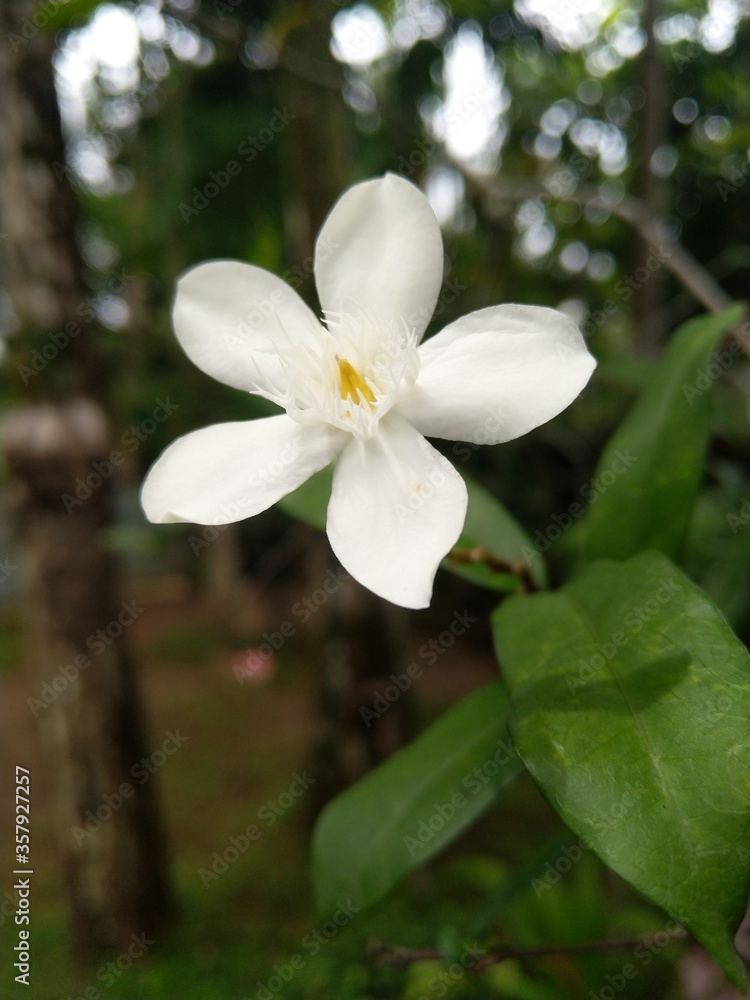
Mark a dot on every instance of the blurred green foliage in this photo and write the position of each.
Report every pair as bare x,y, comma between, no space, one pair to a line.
232,932
149,159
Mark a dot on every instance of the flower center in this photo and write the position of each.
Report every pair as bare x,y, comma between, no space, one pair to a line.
352,384
315,380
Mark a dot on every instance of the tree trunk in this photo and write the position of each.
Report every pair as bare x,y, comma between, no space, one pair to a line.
84,694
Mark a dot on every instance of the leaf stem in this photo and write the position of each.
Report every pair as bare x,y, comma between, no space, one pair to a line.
482,556
390,954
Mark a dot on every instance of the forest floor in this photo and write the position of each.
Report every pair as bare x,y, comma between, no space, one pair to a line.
242,746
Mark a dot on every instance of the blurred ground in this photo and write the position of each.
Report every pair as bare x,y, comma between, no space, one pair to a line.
243,749
243,745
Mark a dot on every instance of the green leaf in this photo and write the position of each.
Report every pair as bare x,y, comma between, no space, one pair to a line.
717,548
70,15
631,709
648,477
417,802
309,502
489,526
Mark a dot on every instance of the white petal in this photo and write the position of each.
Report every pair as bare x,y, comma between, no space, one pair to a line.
397,507
380,251
496,374
235,320
227,472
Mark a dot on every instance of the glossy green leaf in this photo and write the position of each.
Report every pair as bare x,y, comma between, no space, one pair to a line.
417,802
489,526
647,481
309,502
631,709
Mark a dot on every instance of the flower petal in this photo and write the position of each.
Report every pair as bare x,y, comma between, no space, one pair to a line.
396,508
227,472
496,374
380,252
234,320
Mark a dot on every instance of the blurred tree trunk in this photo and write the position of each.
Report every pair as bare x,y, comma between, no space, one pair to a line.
85,695
316,154
365,637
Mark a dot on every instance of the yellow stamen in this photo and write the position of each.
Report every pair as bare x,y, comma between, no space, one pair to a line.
352,382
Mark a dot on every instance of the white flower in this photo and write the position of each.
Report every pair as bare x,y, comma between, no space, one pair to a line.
360,389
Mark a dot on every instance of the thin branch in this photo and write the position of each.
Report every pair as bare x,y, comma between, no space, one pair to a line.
483,557
234,33
390,954
497,193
